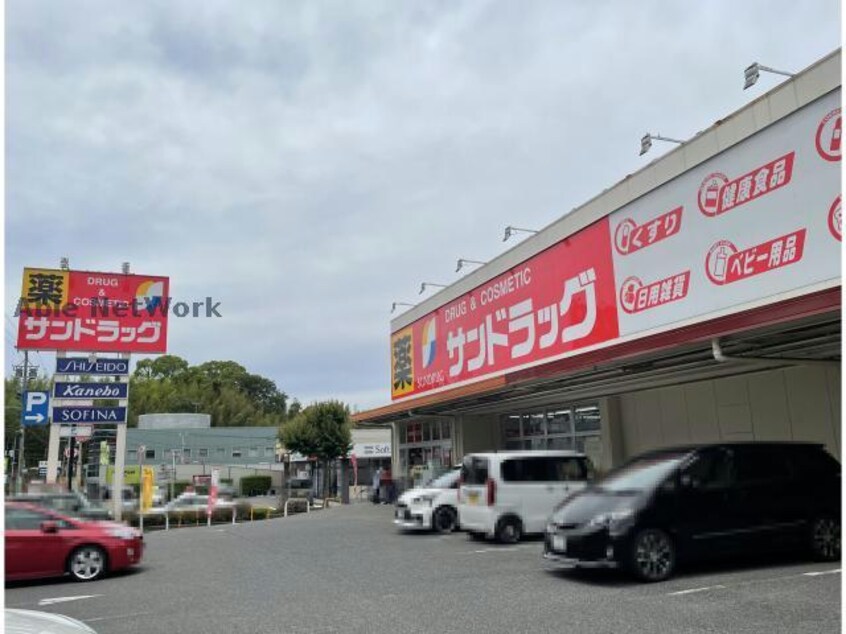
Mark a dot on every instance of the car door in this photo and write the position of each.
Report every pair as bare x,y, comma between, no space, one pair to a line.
30,552
707,516
768,496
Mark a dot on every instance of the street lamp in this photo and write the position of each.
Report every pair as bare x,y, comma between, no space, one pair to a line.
423,286
395,304
646,141
462,262
753,71
509,231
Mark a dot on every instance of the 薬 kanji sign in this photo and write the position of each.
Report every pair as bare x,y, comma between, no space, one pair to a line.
102,312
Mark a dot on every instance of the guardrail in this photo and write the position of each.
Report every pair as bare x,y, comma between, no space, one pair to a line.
289,500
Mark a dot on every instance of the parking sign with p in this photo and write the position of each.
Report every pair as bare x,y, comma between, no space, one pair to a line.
36,409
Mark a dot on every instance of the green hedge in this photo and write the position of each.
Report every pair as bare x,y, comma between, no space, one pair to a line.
255,485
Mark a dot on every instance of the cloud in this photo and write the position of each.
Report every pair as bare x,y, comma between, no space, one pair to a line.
308,163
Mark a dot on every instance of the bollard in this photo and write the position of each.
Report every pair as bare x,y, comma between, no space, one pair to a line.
167,521
233,515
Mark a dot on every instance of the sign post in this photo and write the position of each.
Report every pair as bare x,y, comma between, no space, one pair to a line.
215,482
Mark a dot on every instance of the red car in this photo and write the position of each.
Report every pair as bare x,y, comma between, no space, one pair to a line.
43,543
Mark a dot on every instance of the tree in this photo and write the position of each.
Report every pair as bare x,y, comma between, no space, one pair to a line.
321,430
223,389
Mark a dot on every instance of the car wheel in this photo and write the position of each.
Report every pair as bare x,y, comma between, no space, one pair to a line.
825,538
87,563
509,530
444,519
653,556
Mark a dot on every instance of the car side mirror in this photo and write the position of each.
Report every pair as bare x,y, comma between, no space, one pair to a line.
49,527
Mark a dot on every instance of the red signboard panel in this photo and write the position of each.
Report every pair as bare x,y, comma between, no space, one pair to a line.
561,300
100,312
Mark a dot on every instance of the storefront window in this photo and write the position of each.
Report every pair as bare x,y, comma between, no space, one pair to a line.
425,450
587,418
512,427
560,421
554,428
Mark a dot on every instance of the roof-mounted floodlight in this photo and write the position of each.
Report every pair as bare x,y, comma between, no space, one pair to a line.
753,71
425,284
395,304
509,231
462,262
646,141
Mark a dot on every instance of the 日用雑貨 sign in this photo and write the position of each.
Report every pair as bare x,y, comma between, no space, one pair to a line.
92,312
92,415
99,367
90,390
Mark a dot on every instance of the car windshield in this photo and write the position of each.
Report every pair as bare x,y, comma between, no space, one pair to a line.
444,481
640,474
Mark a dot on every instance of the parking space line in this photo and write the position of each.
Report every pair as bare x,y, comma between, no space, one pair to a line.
747,582
692,590
505,549
66,599
118,616
817,573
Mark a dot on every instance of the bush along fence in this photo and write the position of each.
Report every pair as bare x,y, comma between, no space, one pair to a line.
241,512
255,485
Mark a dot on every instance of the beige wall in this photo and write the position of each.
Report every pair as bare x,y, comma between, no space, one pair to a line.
797,403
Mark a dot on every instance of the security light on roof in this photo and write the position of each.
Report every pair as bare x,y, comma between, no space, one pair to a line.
646,141
395,304
509,231
425,284
462,262
753,71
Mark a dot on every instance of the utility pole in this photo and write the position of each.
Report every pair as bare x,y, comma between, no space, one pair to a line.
24,387
71,458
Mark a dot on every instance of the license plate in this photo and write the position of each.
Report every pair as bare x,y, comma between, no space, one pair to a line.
559,543
473,497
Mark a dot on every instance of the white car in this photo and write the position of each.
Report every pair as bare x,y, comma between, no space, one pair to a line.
29,621
433,506
509,494
189,502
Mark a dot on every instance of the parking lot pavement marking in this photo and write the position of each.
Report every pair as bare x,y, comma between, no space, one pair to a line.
119,616
747,582
817,573
692,590
66,599
501,549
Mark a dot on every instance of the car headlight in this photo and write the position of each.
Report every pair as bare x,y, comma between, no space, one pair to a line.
123,533
423,499
610,519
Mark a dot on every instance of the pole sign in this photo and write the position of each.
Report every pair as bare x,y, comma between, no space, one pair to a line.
36,409
72,390
81,365
92,312
91,415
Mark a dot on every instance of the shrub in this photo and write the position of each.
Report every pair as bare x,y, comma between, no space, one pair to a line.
255,485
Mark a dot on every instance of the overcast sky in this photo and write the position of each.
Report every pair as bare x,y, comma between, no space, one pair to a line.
308,163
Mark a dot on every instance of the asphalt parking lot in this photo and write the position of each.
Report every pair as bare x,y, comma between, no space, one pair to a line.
348,570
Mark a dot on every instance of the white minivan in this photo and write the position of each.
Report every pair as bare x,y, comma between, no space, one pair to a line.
512,493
